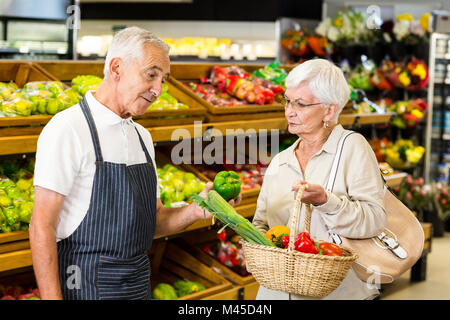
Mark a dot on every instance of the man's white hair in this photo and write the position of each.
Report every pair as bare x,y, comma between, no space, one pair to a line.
326,81
128,44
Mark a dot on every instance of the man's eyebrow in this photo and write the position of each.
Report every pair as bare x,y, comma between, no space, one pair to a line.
153,68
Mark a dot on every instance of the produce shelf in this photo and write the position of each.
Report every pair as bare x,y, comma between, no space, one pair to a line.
13,241
196,251
178,264
18,144
182,73
395,179
26,143
15,260
65,71
364,118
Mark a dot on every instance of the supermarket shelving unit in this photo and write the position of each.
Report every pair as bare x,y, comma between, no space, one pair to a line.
14,247
437,157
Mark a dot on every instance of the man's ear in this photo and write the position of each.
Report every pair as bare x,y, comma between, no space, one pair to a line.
331,112
115,66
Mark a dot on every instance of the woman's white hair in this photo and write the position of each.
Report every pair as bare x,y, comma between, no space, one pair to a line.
326,81
128,44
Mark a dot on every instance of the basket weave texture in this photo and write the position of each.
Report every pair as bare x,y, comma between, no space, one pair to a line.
296,272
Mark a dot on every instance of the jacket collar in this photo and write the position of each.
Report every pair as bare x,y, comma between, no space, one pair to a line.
330,146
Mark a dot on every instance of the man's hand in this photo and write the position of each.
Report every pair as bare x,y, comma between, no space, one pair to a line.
210,186
314,194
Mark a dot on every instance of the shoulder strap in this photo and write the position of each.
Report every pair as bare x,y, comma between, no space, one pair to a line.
144,148
93,129
337,158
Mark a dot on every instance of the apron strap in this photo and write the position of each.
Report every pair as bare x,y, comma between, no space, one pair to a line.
144,148
88,115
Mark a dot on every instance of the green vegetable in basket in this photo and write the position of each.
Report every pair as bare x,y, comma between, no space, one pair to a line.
223,211
164,291
184,288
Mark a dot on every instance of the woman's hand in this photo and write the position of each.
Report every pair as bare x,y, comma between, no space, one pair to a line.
314,194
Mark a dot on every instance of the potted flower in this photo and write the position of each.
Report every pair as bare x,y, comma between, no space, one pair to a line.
408,113
415,194
412,75
403,154
348,32
410,36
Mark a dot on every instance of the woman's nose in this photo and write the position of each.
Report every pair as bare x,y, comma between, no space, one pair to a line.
289,112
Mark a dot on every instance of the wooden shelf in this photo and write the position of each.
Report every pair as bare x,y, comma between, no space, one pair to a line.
15,260
27,143
18,144
364,118
395,179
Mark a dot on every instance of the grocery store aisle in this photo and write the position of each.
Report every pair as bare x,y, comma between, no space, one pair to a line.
437,284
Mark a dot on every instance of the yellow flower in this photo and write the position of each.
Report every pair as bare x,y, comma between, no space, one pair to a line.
404,79
416,113
401,108
419,71
425,21
338,22
405,16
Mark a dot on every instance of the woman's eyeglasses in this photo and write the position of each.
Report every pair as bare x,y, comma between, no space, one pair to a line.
296,104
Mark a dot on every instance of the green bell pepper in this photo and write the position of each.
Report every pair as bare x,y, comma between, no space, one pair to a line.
227,184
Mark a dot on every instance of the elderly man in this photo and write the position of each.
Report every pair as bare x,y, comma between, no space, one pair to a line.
97,206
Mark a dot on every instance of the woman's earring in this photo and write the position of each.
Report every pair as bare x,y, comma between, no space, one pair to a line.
325,124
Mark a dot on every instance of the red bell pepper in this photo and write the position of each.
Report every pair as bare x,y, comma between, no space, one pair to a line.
330,249
304,243
232,84
285,241
222,236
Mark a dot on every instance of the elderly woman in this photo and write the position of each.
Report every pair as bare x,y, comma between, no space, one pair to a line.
316,93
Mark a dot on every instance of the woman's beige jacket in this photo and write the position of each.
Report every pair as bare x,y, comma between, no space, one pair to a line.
354,208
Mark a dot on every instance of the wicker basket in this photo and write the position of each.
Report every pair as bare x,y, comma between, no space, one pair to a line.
296,272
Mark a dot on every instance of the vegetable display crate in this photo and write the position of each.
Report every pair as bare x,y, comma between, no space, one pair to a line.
195,249
195,242
18,284
172,189
183,73
14,250
176,264
21,73
13,241
65,71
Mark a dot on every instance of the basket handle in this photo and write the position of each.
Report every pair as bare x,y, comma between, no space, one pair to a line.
295,216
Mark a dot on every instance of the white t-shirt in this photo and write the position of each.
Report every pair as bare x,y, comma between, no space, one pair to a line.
65,157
